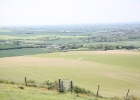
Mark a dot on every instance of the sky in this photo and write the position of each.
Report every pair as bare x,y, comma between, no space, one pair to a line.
55,12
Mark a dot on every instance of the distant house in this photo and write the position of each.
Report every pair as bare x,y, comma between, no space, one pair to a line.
52,47
63,31
56,47
49,47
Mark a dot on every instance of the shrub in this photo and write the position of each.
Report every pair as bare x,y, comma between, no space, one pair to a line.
21,87
51,85
77,89
31,83
6,82
132,97
115,98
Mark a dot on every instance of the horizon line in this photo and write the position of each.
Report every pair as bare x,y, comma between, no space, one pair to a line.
103,23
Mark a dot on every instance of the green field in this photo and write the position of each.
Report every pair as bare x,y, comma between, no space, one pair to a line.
114,71
22,52
24,36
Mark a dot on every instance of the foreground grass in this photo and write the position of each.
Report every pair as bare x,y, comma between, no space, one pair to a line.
15,92
12,92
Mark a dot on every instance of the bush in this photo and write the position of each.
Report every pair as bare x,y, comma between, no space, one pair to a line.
51,85
6,82
31,83
21,87
77,89
132,97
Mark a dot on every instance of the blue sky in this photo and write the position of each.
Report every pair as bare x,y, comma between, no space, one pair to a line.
51,12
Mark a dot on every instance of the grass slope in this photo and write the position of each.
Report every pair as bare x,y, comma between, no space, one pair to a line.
114,71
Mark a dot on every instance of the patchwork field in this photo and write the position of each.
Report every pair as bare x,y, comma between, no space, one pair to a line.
115,71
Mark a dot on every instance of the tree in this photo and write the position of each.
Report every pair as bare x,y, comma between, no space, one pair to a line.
16,43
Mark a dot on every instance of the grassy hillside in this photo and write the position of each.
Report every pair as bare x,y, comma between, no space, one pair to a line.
114,71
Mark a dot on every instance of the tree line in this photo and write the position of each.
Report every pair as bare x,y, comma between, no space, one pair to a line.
111,47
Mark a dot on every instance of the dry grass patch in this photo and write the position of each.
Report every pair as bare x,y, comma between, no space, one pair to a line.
125,52
44,62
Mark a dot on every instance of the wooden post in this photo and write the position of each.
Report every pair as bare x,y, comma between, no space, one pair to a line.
62,87
127,94
98,90
59,83
25,81
71,85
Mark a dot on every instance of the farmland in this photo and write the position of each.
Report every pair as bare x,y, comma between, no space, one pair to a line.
21,52
114,71
89,55
86,35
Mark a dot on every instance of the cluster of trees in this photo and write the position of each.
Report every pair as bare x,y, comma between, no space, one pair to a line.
7,46
2,40
10,48
112,38
111,47
20,47
70,46
17,45
49,38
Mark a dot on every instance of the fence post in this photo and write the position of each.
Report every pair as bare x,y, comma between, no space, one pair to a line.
127,94
71,83
59,84
25,81
59,81
98,90
62,87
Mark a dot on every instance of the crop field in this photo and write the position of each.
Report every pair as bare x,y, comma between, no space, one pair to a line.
5,37
115,71
22,52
